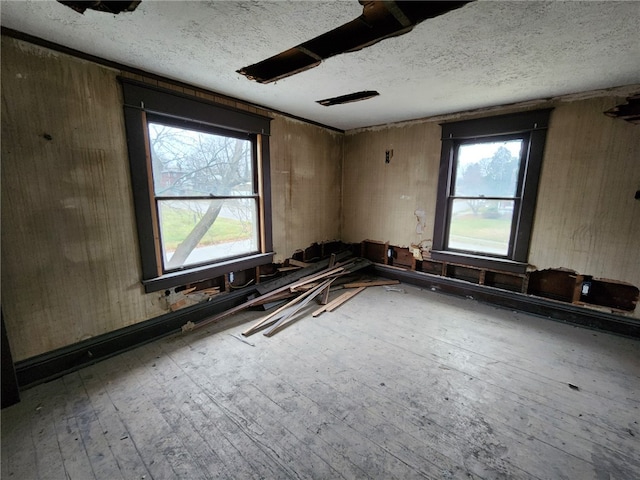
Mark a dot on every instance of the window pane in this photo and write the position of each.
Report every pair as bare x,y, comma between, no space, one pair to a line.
198,231
488,169
192,163
482,226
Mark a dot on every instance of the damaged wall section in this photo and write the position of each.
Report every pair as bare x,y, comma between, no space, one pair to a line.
584,217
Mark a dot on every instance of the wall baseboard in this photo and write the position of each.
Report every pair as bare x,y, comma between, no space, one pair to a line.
54,364
550,309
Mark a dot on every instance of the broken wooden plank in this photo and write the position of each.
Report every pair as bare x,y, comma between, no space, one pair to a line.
305,287
325,293
286,319
288,269
287,280
266,299
339,269
337,302
276,314
249,303
343,298
372,283
298,263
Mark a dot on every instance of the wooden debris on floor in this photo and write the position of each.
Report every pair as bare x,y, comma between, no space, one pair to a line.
295,291
289,283
371,283
329,307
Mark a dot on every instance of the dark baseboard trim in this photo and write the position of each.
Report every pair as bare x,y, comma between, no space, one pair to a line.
54,364
551,309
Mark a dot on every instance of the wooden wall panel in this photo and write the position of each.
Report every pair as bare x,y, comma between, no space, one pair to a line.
70,262
69,249
306,174
380,199
586,217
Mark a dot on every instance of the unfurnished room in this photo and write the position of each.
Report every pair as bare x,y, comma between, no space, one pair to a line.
341,239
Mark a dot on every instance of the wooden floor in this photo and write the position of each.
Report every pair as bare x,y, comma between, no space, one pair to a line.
389,386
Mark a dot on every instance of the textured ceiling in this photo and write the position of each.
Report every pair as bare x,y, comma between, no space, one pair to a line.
485,54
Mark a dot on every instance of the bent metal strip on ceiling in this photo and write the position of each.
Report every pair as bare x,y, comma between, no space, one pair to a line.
379,20
109,6
351,97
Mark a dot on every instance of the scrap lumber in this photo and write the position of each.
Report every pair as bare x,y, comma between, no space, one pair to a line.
249,303
343,298
288,269
372,283
325,293
298,263
331,306
276,314
266,299
286,319
288,279
339,269
304,288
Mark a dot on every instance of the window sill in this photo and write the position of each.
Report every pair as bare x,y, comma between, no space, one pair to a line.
502,264
198,274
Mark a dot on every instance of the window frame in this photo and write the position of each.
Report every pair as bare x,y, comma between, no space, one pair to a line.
141,100
531,126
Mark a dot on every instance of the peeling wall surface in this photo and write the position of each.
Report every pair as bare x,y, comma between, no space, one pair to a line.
586,217
70,263
306,172
381,199
70,260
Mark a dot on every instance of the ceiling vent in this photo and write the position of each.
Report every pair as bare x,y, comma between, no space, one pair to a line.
351,97
379,20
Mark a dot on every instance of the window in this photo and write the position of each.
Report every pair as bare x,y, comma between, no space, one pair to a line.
201,186
487,189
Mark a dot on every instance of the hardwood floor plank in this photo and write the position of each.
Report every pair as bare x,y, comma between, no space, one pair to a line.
51,405
391,385
238,429
584,408
162,452
115,432
349,392
292,456
582,469
221,458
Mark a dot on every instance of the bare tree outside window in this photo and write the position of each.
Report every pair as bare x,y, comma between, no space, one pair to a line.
205,195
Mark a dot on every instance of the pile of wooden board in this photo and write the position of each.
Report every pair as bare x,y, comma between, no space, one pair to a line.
295,291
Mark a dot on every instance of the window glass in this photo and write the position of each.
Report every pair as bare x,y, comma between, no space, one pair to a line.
194,232
480,225
204,191
487,187
488,169
483,199
201,186
193,163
